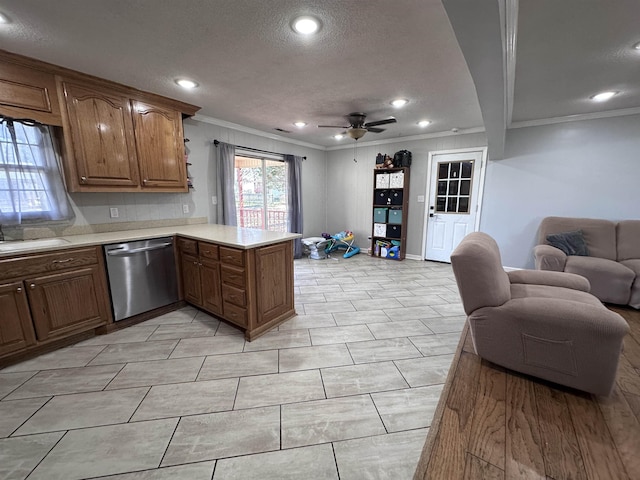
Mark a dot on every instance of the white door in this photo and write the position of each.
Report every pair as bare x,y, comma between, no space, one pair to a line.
453,198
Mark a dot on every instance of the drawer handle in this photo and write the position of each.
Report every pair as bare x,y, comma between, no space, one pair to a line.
19,289
195,263
67,260
32,286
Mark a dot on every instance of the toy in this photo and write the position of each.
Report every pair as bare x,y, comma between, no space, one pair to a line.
342,240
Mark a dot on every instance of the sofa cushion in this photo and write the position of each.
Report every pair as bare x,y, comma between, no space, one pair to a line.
600,235
477,267
628,238
571,243
610,281
634,298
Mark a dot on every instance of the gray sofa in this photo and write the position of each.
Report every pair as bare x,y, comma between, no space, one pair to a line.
544,324
612,260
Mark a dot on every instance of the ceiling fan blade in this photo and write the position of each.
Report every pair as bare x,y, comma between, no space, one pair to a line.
331,126
380,122
375,130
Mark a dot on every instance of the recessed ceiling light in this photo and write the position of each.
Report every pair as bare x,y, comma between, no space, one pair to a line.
306,25
603,96
300,124
399,102
424,123
4,18
339,136
186,83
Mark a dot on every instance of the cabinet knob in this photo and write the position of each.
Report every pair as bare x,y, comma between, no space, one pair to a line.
144,181
195,263
19,289
32,286
83,179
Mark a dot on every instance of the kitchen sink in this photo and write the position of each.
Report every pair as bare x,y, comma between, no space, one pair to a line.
16,246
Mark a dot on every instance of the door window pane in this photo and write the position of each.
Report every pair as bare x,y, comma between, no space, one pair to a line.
454,187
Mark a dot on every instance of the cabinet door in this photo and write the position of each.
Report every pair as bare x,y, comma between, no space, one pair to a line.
102,138
191,279
67,302
16,329
160,147
274,281
211,288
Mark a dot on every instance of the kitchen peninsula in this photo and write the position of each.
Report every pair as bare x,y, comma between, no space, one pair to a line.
54,289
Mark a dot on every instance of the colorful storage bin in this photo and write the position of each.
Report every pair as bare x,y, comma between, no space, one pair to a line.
380,215
379,229
395,216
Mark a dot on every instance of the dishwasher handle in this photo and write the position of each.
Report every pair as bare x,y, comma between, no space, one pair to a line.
120,252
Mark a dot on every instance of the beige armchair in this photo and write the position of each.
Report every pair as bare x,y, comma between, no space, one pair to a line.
540,323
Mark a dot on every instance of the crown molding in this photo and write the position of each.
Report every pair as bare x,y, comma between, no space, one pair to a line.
576,118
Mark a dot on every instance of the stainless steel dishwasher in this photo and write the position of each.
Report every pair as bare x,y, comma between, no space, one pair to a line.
142,276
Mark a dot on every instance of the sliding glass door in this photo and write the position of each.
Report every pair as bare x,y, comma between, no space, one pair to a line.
261,193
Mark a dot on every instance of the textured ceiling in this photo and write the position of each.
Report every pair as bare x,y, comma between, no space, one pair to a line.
255,71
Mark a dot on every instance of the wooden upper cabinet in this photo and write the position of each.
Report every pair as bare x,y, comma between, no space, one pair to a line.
159,146
99,138
27,92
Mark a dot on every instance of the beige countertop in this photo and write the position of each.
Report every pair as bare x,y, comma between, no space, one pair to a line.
237,237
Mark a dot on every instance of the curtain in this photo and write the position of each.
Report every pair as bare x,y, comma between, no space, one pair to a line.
294,197
31,186
226,195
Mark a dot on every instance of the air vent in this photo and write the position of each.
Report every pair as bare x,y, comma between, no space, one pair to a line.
282,130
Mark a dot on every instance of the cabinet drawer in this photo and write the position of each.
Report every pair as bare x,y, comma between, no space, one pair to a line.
188,246
233,276
232,256
208,250
48,262
235,314
234,295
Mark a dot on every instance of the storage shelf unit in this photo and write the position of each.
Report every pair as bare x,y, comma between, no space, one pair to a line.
390,212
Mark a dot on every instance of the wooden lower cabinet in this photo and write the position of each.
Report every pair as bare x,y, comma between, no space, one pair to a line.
46,298
201,279
16,328
251,288
66,302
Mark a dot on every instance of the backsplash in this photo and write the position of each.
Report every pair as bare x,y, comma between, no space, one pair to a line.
134,210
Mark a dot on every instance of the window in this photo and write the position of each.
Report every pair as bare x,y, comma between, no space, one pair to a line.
261,193
31,186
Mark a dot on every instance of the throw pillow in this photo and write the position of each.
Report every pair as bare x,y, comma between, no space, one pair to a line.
571,243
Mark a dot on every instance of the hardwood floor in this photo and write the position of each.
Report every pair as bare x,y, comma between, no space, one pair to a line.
493,423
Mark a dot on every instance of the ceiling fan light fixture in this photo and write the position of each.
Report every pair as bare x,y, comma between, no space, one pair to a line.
300,124
356,133
424,123
636,46
186,83
399,102
306,25
603,96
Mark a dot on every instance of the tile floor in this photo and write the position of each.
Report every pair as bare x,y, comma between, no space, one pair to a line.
345,390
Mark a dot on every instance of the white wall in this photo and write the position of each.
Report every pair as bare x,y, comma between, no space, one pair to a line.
576,169
350,184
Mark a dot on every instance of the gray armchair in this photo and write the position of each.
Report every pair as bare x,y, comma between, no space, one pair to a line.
540,323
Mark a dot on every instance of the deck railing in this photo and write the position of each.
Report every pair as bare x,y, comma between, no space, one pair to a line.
253,218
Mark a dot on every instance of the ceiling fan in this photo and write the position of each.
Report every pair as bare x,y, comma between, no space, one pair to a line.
357,128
